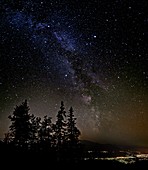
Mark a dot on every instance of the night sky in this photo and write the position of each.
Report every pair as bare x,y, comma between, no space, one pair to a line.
92,55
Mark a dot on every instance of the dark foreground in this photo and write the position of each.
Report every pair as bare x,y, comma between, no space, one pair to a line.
43,161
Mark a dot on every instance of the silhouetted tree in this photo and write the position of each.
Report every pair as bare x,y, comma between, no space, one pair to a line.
73,132
20,129
73,152
35,127
46,133
60,126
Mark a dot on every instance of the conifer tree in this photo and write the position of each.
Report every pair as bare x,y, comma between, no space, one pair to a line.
20,129
46,132
60,126
35,127
73,132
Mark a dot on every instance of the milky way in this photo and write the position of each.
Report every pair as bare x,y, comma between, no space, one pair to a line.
92,55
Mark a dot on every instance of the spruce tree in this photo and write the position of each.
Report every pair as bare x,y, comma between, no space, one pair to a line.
20,128
73,132
73,151
35,128
60,126
46,132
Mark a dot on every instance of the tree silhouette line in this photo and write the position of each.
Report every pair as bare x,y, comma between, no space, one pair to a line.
28,133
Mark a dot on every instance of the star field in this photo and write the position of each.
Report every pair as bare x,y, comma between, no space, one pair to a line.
92,55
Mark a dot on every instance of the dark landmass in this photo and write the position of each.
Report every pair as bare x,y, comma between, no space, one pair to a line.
90,145
29,161
40,160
